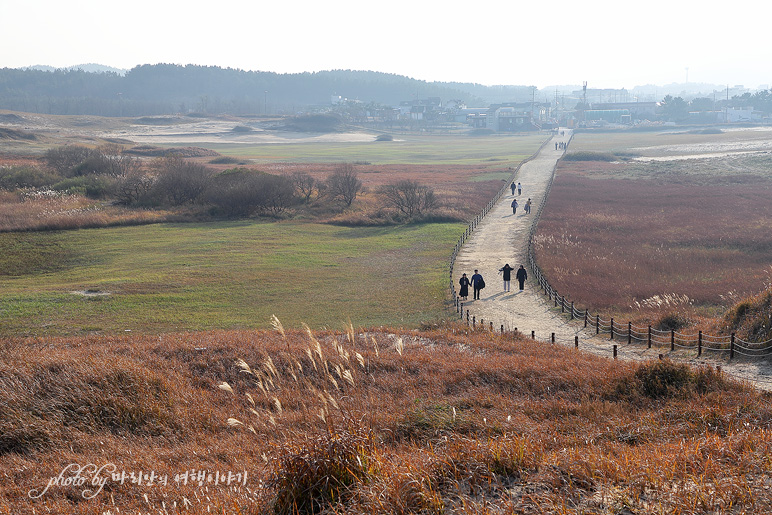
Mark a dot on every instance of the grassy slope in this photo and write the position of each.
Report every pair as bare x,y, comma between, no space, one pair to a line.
450,422
170,277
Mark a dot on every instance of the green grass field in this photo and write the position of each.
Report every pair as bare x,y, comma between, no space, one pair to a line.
170,277
487,151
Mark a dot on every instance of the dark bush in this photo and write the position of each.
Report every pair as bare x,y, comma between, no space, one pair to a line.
671,322
384,137
322,474
181,181
244,192
664,379
225,160
15,177
92,186
64,159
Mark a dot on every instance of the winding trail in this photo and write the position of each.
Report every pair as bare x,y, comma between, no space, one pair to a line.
502,237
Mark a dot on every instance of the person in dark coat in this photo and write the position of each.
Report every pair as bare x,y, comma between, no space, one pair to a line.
514,206
464,291
521,276
512,187
507,275
477,284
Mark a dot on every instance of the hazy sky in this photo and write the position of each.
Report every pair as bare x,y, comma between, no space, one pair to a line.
609,44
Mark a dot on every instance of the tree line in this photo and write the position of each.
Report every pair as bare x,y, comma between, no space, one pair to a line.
169,88
677,109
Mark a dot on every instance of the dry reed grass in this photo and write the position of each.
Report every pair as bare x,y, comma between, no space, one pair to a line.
48,210
377,421
646,248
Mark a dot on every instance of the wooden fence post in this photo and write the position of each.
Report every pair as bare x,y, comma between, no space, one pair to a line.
473,322
612,328
629,333
533,335
585,317
615,351
491,326
552,339
699,344
731,347
502,328
576,342
597,324
672,339
649,337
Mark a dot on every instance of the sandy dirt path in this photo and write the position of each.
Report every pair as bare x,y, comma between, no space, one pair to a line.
502,237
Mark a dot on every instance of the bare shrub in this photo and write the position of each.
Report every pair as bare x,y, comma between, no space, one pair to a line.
409,197
343,184
63,159
305,185
180,181
132,186
244,192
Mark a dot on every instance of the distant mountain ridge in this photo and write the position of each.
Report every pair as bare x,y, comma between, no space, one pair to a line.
90,68
156,89
170,88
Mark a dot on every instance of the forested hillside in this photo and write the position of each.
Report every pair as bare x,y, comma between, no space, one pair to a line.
167,88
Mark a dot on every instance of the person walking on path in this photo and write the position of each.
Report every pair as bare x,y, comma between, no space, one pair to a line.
514,206
521,276
477,284
512,187
464,291
507,275
527,206
519,189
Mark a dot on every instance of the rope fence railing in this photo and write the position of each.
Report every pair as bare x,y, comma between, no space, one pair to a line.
594,324
698,341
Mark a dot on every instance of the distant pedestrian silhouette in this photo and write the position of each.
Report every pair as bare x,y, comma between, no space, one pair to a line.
521,276
464,291
477,284
507,275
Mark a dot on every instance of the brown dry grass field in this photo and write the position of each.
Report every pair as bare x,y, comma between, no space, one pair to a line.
370,421
647,240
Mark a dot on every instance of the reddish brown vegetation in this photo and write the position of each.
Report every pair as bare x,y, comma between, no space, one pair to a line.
373,422
642,248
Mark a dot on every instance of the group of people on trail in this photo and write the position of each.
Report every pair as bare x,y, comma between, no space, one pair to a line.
519,188
527,206
478,283
560,145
